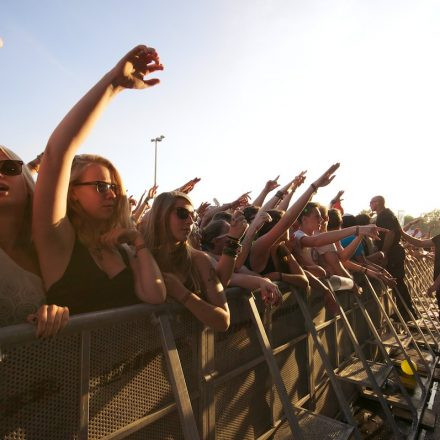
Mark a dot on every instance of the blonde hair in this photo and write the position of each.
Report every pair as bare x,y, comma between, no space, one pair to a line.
160,241
121,217
25,234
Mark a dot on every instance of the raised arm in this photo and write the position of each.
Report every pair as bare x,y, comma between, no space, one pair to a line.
226,264
261,248
415,241
51,228
270,186
295,184
334,236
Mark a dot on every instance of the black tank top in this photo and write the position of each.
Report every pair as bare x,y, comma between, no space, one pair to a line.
84,287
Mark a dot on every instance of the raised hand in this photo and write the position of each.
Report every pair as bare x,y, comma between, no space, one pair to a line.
49,319
152,192
299,179
327,177
239,225
272,184
201,210
241,202
132,202
261,218
130,71
188,186
338,197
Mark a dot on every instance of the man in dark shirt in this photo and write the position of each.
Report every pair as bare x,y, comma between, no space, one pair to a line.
394,259
428,243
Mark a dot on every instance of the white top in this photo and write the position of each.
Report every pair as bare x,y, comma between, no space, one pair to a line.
21,292
308,256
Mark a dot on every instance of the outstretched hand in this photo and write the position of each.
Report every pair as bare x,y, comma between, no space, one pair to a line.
338,197
201,210
239,225
152,192
299,179
371,231
188,186
241,202
327,177
130,71
272,184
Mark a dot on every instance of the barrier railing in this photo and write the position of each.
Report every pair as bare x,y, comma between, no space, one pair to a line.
154,372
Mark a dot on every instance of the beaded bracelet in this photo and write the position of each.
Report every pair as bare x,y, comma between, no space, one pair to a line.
279,194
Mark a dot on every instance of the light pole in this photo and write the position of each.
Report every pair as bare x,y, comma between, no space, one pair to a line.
156,140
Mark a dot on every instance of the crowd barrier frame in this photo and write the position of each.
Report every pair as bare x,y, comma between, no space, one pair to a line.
191,382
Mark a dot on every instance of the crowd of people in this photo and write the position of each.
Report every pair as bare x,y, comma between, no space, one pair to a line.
71,241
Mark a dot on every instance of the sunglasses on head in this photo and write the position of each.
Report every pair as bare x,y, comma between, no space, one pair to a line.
11,167
183,213
101,187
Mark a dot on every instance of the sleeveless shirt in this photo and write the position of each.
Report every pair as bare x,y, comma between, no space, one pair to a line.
21,292
84,287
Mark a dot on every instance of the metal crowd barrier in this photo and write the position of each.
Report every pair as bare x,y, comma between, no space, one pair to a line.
153,372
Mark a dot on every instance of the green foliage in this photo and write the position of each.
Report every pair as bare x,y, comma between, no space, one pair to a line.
429,222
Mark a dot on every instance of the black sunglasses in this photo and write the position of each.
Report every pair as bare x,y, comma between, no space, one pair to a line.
183,213
11,167
101,187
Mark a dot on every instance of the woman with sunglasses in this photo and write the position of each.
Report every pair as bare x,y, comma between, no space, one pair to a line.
22,296
82,221
189,275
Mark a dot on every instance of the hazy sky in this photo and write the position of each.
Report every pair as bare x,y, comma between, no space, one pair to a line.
251,89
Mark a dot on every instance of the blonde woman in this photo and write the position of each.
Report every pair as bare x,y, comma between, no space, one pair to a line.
21,289
189,275
91,256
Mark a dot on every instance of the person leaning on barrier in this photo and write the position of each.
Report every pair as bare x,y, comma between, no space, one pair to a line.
216,238
22,296
428,243
339,261
189,276
82,221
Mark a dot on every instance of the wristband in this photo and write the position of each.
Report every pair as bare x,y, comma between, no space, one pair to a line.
279,194
229,252
233,238
314,187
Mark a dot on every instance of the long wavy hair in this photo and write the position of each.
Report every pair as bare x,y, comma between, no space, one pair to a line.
87,231
26,232
171,257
